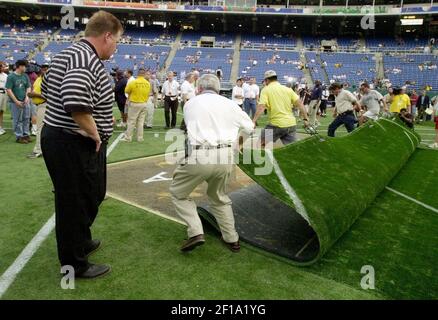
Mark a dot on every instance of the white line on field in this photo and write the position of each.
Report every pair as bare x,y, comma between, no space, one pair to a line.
299,206
8,277
413,200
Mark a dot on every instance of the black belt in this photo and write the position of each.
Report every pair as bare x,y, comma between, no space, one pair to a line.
2,90
346,112
219,146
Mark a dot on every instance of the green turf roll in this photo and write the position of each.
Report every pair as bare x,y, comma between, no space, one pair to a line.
333,180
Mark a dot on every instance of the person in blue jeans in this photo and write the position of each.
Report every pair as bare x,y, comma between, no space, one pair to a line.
346,103
18,87
251,94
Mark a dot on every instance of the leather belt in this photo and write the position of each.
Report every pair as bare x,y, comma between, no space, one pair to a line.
220,146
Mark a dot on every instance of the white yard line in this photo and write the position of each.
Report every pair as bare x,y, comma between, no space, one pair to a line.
413,200
287,187
8,277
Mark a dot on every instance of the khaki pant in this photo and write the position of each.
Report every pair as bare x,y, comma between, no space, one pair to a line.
41,111
313,111
187,177
136,115
150,112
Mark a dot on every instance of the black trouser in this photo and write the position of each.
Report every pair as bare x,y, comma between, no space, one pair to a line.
323,106
347,118
78,174
183,126
170,105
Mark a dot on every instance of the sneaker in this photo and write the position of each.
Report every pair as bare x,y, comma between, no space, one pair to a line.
34,155
434,145
2,131
33,131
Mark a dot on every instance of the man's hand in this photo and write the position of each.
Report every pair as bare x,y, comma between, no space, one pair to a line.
96,138
26,100
87,127
19,104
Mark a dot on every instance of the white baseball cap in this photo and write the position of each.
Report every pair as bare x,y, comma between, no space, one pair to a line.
270,73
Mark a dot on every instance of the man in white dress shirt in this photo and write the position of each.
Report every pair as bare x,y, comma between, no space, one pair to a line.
170,92
237,94
251,94
187,92
213,124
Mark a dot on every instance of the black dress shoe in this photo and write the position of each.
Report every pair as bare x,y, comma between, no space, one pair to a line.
94,271
233,246
92,247
193,242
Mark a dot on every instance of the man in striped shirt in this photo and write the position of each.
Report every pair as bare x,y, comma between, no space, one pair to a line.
77,125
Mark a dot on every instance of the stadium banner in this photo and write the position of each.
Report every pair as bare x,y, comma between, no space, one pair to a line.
349,10
124,4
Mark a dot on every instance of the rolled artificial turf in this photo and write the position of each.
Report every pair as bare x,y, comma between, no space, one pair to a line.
327,184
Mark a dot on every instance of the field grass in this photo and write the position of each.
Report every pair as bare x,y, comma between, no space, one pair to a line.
143,248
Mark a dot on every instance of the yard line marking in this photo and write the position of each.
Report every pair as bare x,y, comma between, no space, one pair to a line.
287,187
413,200
8,277
412,142
11,273
114,144
305,247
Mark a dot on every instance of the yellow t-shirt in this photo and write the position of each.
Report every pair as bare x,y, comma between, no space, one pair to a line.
279,101
400,101
37,89
138,90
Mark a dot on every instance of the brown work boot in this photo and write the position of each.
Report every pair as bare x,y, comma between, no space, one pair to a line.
21,141
193,242
233,246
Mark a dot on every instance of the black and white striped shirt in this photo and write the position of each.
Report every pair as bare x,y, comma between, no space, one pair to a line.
77,81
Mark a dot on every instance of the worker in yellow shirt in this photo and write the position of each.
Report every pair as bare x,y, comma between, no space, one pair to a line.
138,94
41,104
279,100
399,101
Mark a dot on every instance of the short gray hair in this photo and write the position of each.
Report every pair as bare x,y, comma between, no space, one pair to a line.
209,82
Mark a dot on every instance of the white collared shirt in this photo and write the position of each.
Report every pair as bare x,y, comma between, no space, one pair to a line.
3,79
170,88
187,90
344,101
251,91
237,91
212,120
